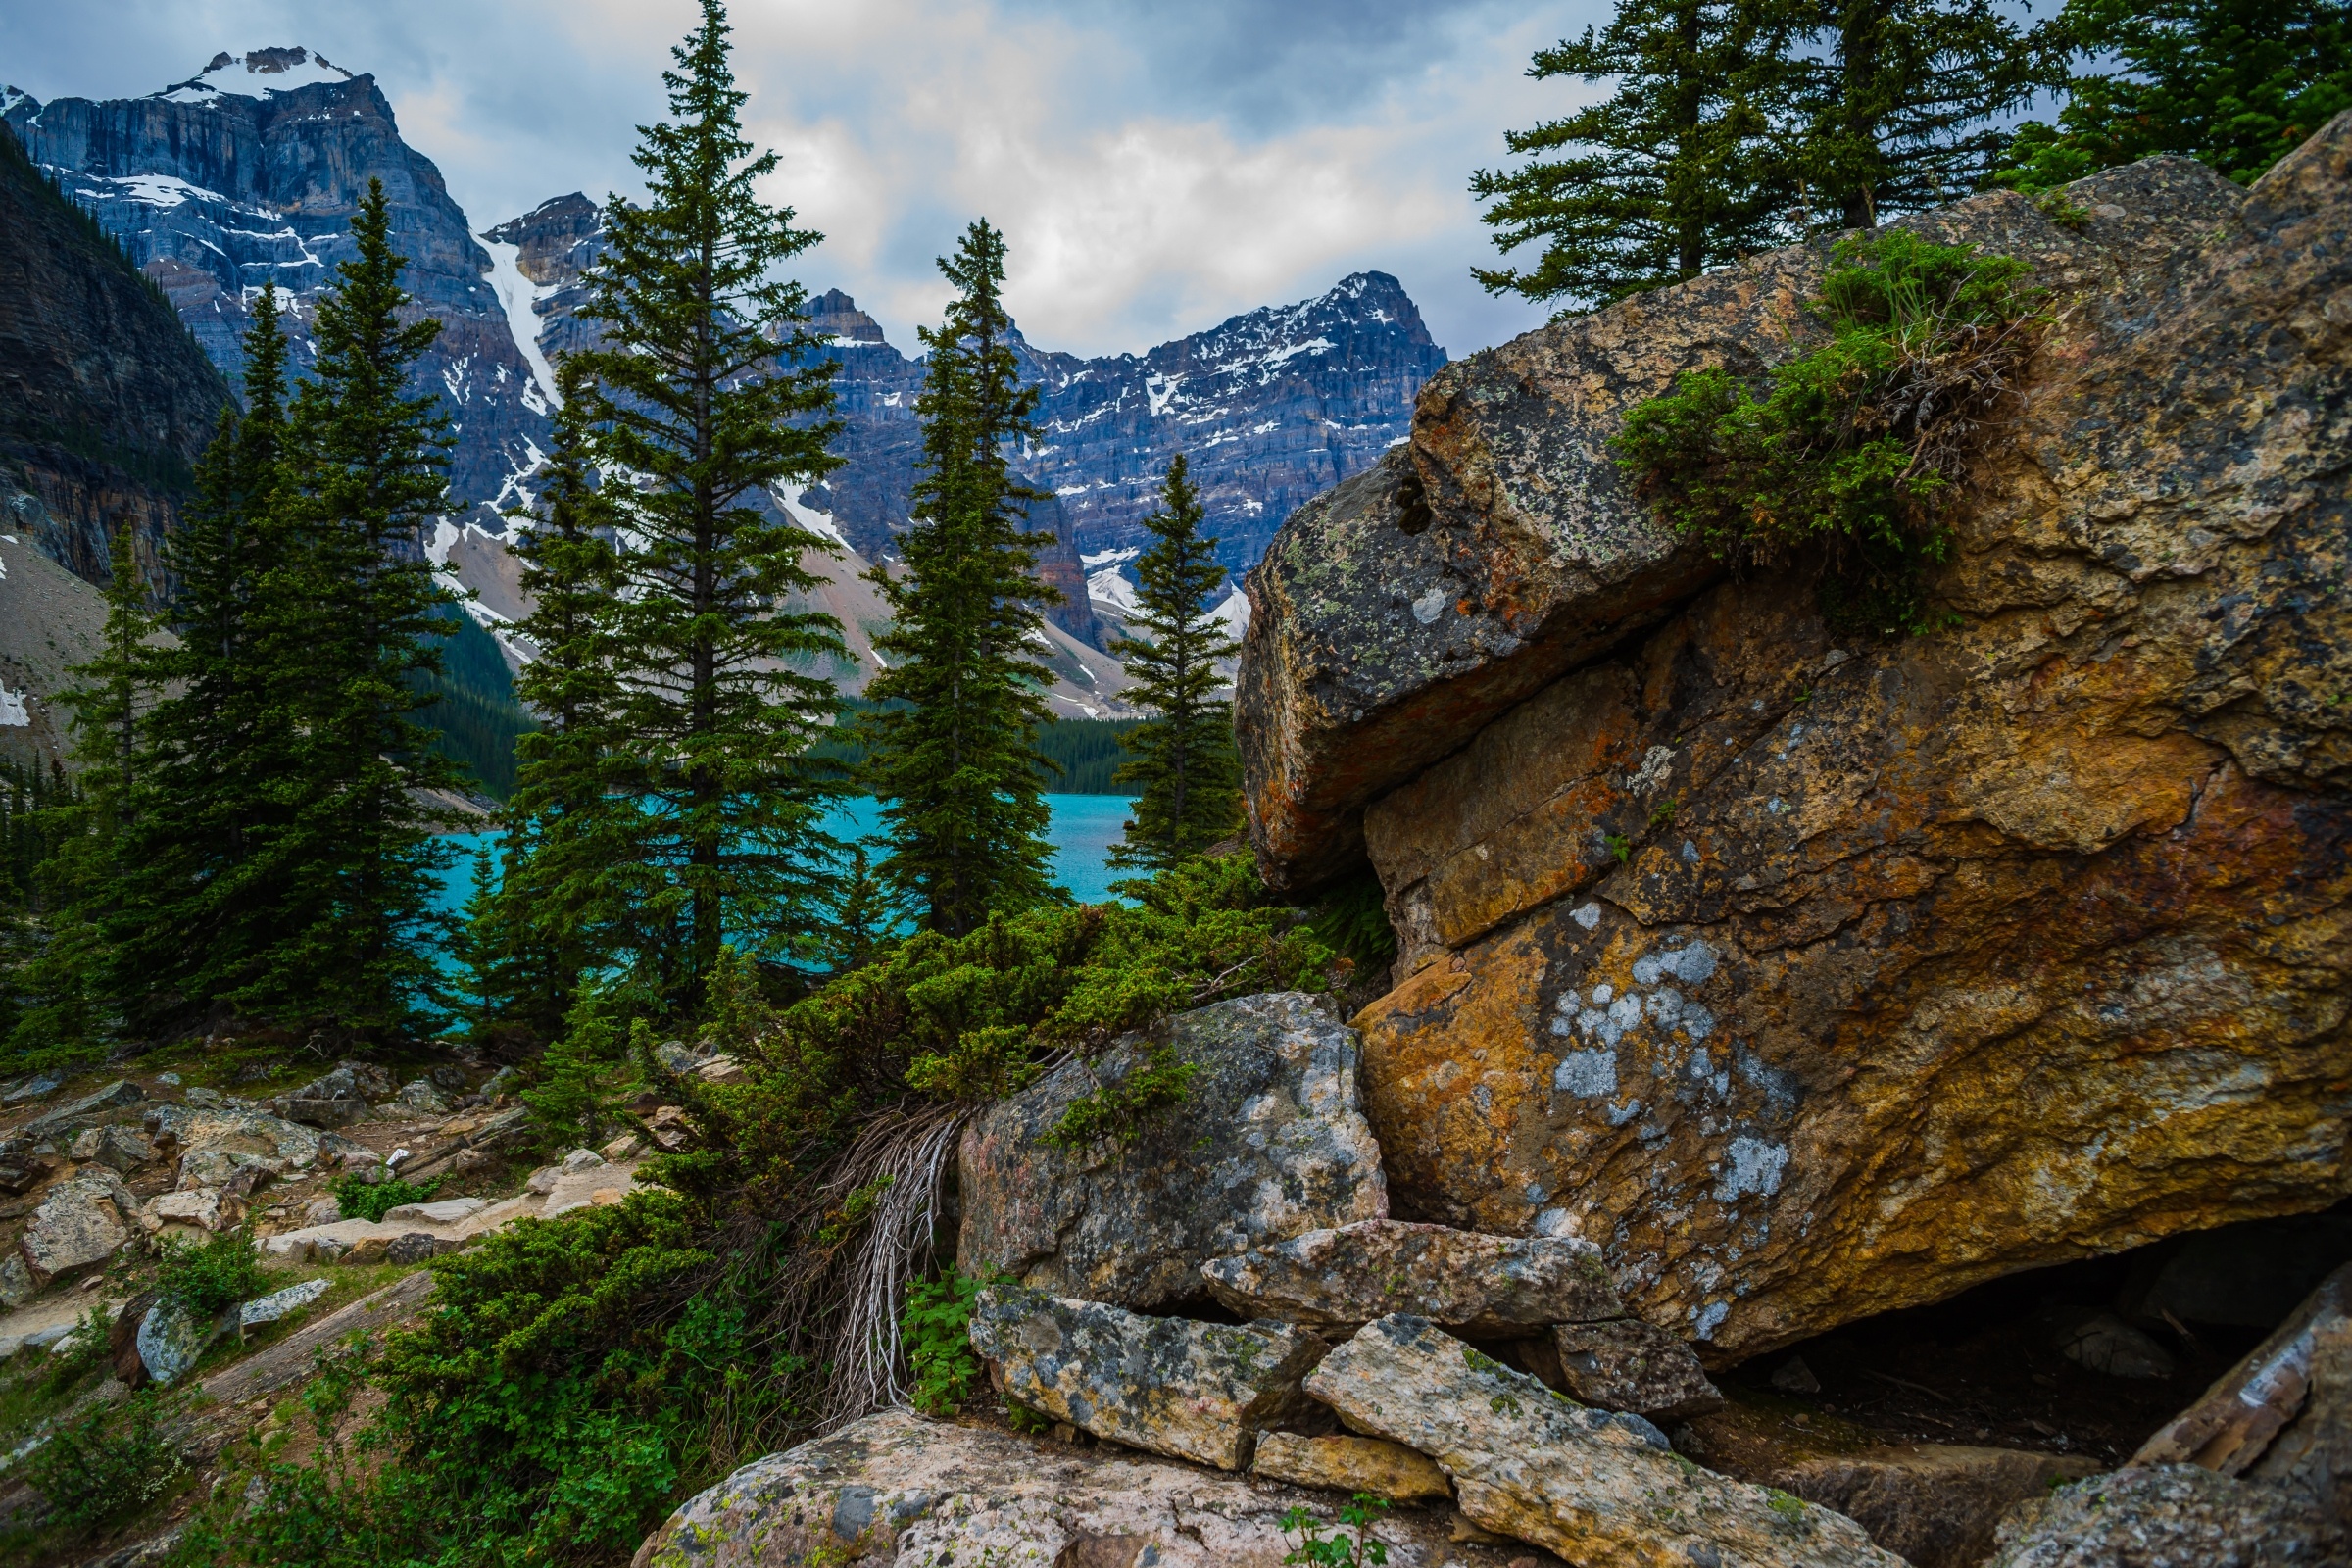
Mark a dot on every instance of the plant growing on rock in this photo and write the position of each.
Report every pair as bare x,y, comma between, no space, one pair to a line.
1359,1550
1857,448
1118,1112
937,1327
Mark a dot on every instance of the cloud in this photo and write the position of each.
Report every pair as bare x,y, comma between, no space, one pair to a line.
1156,168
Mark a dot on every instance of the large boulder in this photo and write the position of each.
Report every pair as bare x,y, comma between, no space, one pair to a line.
1268,1142
81,1220
892,1490
1591,1486
1496,1287
1191,1390
2168,1516
1814,977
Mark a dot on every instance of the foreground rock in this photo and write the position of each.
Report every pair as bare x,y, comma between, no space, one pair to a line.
894,1491
1933,1505
2283,1414
1191,1390
1269,1142
1349,1465
2168,1516
81,1220
1631,1365
1815,977
1336,1280
1596,1487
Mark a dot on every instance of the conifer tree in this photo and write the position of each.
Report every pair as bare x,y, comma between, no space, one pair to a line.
2237,85
1663,181
192,922
1185,757
566,887
1886,107
347,631
953,750
693,397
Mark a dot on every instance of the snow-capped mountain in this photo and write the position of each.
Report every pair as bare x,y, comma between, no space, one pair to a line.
251,171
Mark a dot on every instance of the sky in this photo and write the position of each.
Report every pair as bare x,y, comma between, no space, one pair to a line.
1156,165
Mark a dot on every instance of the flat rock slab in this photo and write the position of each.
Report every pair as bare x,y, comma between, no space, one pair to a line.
894,1491
1934,1505
450,1221
1631,1365
1338,1280
2168,1516
1193,1391
293,1358
1596,1487
1269,1142
278,1304
1350,1464
41,1324
122,1092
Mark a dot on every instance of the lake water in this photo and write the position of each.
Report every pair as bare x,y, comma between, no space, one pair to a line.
1084,827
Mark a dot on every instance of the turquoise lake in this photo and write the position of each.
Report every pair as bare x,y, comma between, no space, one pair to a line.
1084,827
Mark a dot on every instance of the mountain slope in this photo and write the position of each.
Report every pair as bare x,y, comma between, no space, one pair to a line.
251,171
105,401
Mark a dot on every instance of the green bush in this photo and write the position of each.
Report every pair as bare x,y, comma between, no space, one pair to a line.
360,1201
207,1277
1855,448
1353,1546
937,1328
1119,1111
109,1465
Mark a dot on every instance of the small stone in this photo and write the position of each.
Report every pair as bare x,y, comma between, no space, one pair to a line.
1350,1464
323,1211
446,1211
270,1308
1193,1391
123,1149
470,1159
1591,1486
198,1206
543,1180
674,1054
1491,1285
1792,1376
17,1284
363,1252
417,1246
33,1088
2106,1343
621,1148
84,1147
580,1159
169,1080
206,1099
1631,1365
670,1126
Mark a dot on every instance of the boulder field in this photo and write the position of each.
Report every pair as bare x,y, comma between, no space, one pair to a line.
1752,981
1813,976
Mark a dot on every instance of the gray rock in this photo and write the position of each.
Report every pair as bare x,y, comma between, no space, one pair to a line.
416,1247
205,1098
894,1489
445,1211
322,1112
1193,1391
33,1088
122,1092
674,1056
278,1304
419,1096
123,1150
2105,1343
2168,1516
81,1220
1269,1143
580,1159
1591,1486
1496,1287
170,1341
323,1211
1631,1365
16,1286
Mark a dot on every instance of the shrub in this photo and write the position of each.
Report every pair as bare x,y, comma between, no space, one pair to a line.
1117,1112
937,1327
1359,1550
207,1277
1856,446
106,1466
360,1201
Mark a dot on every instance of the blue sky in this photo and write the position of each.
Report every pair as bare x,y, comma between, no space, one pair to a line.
1156,167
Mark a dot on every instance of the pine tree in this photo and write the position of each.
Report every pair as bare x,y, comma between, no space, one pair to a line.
564,902
953,750
693,398
193,923
2237,85
348,633
1664,179
1185,757
1887,106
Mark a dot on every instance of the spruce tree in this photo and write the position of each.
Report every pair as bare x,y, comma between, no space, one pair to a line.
562,907
347,631
193,922
1663,181
1886,107
695,400
951,750
2237,85
1185,757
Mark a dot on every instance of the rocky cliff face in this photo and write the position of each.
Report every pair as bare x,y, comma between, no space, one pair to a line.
251,171
1814,978
107,403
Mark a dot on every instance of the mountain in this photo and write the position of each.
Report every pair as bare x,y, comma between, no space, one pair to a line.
250,171
105,401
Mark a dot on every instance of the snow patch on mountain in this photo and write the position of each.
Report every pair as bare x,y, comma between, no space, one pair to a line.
519,296
807,517
255,73
13,714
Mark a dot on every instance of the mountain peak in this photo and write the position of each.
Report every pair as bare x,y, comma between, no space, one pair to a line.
257,73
